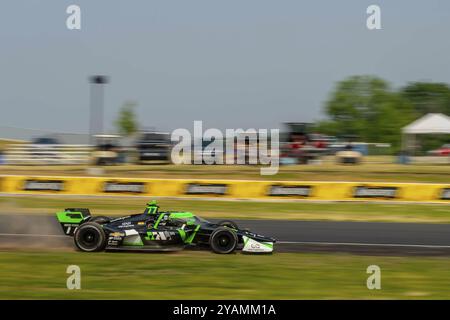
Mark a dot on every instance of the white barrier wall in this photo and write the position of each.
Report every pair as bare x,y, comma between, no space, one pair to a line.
17,154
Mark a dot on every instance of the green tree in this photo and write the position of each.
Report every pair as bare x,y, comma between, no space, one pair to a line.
126,122
427,97
367,107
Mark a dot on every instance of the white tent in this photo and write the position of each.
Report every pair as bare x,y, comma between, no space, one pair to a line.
430,123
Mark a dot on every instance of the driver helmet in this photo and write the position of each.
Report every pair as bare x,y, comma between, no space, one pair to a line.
152,207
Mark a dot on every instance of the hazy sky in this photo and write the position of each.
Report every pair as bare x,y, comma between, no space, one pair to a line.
230,63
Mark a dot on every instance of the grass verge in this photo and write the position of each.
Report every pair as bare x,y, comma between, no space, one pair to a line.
201,275
328,171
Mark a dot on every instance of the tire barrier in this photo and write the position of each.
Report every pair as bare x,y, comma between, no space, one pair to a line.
231,189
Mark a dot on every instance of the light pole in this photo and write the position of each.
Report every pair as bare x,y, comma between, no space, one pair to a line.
96,105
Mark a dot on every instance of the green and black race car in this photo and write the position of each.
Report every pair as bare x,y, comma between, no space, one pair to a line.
153,230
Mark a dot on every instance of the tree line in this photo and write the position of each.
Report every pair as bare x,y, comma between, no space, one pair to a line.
370,109
365,107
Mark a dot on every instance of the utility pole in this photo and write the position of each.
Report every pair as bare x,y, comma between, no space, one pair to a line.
96,105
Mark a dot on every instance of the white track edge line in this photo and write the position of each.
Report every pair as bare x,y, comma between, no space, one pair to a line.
31,235
365,244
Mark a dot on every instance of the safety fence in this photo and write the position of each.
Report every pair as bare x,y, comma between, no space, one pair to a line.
227,189
37,154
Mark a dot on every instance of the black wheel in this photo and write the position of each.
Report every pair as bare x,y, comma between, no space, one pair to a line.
90,237
228,223
223,240
100,219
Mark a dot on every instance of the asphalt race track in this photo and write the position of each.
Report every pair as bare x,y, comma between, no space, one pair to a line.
44,231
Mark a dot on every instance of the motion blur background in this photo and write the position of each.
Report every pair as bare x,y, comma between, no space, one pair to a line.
357,108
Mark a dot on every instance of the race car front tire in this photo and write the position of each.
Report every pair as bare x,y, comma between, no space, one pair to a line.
223,240
90,237
228,223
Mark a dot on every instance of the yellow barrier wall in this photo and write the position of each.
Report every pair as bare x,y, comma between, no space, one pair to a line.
242,189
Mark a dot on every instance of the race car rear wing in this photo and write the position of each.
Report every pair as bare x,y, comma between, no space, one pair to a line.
71,218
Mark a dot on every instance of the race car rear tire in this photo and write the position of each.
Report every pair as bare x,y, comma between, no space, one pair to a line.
228,223
100,219
90,237
223,240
